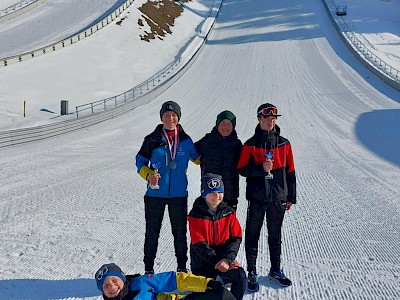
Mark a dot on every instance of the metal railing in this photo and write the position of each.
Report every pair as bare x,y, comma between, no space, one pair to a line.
368,54
133,93
13,8
69,41
363,49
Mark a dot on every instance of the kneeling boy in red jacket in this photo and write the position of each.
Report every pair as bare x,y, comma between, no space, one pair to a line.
216,235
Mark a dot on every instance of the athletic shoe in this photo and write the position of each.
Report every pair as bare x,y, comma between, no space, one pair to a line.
252,282
279,277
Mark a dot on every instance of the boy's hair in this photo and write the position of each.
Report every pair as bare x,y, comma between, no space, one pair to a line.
211,183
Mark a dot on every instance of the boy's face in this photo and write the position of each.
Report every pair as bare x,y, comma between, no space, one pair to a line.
170,120
112,286
225,127
267,123
214,198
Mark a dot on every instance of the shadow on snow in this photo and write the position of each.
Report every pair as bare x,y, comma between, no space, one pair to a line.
379,131
43,289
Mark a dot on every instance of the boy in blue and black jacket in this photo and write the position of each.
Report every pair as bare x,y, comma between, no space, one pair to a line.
115,285
162,161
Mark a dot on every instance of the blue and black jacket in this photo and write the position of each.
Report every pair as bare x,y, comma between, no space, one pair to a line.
155,149
156,287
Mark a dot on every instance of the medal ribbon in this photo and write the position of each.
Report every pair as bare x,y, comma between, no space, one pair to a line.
172,145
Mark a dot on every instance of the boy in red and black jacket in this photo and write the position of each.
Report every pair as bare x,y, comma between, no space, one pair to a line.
216,235
268,165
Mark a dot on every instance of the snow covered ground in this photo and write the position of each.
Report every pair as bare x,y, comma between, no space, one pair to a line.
72,203
50,22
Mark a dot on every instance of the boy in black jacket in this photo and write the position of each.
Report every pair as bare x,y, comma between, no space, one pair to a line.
219,154
216,236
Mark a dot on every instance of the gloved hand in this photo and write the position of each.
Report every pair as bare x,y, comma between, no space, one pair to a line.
214,285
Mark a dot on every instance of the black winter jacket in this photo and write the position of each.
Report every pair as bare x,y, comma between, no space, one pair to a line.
220,155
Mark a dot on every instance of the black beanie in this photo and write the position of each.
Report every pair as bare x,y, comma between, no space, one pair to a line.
170,106
105,271
228,115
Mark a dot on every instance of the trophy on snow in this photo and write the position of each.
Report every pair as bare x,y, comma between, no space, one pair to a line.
156,166
269,155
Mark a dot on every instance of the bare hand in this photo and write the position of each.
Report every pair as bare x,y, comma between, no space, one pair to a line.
153,178
288,205
235,265
267,165
222,265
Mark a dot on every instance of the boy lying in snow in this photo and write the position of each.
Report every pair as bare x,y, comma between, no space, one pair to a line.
114,285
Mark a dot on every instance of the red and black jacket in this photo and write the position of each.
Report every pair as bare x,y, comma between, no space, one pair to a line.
283,185
213,237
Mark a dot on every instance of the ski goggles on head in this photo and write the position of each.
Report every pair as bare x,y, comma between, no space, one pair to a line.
268,111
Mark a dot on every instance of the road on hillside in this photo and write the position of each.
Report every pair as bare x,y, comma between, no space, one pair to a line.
50,22
341,240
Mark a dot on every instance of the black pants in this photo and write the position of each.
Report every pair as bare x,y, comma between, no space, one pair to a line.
154,214
232,203
237,277
274,214
219,294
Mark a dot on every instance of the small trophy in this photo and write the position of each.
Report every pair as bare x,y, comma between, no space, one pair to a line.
155,166
269,156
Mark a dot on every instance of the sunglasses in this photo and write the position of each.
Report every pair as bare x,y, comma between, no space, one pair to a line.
101,272
268,111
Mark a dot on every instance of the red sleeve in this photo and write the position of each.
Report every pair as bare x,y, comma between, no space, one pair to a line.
244,156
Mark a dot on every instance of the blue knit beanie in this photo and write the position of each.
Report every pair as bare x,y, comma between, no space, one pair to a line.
105,271
211,183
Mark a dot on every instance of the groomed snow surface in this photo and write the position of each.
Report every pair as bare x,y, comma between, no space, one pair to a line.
72,203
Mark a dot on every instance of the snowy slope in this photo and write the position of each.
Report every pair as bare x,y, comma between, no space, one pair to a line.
109,62
50,22
72,203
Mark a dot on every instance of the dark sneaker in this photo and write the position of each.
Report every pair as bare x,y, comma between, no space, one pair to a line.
149,273
183,270
279,277
252,282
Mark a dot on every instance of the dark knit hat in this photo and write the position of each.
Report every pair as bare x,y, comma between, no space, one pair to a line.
211,183
170,106
228,115
270,110
105,271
